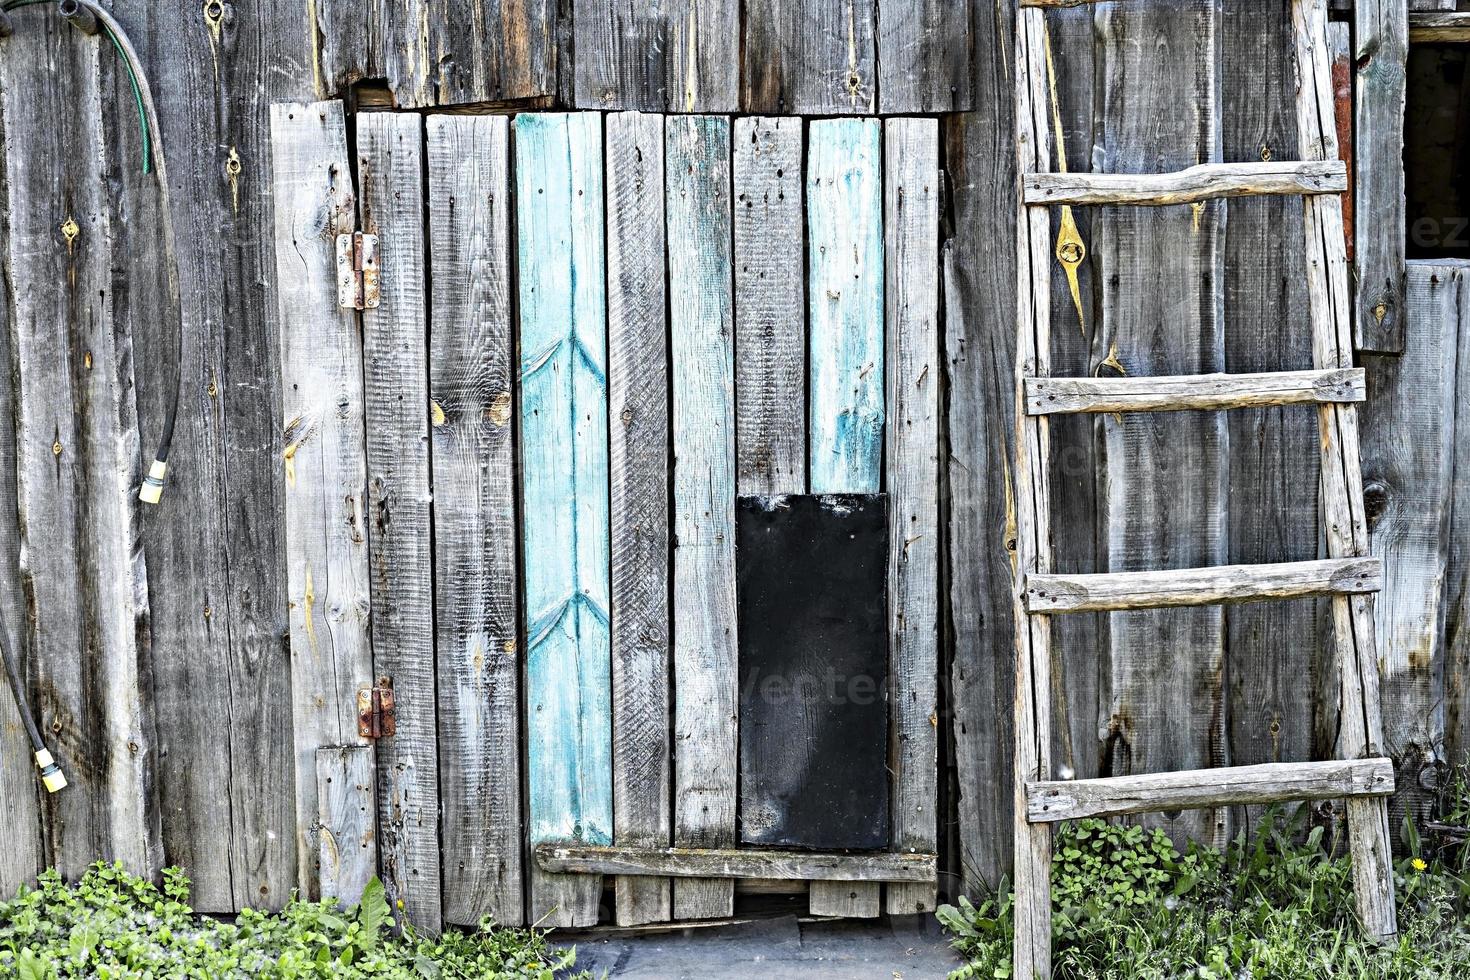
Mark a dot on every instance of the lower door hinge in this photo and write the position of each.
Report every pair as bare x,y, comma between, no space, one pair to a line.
375,712
357,272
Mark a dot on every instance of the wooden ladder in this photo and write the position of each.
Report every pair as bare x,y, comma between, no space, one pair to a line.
1349,575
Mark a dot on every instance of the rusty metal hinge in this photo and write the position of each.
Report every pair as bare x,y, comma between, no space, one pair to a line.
375,715
357,271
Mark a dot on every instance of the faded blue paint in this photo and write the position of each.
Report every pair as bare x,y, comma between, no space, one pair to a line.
845,305
564,475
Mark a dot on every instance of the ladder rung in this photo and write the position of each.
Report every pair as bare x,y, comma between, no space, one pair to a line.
1201,586
1206,181
1276,782
1173,393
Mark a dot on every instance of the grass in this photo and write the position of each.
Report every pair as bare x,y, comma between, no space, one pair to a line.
112,925
1274,905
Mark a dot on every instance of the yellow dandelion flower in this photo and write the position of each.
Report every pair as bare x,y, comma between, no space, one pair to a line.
1419,864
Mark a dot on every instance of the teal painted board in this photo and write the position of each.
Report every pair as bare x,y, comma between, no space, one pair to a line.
702,368
564,488
845,305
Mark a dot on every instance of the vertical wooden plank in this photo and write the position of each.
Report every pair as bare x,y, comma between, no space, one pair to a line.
698,192
846,354
845,305
221,671
923,51
1164,503
322,448
979,264
1409,435
638,393
770,318
564,487
76,458
1457,589
812,58
390,171
1030,509
674,55
19,861
911,231
1273,502
471,352
437,52
1380,49
347,838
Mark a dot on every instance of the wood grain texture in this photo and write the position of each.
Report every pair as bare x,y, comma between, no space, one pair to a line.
813,58
1201,391
1202,182
924,50
1163,497
564,497
702,369
638,394
770,311
437,52
390,173
346,824
669,55
1380,50
1201,586
1275,782
476,588
846,355
1360,732
322,449
76,460
1409,436
845,306
744,862
1457,574
217,610
911,231
1431,27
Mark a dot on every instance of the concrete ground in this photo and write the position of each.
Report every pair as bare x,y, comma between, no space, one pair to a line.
779,948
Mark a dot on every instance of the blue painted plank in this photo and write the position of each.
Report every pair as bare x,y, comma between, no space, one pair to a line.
702,359
564,486
845,305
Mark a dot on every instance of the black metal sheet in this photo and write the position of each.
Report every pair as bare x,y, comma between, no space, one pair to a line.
813,584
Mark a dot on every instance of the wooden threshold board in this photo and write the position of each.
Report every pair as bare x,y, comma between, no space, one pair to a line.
772,865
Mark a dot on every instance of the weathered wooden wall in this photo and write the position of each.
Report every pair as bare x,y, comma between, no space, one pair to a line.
190,755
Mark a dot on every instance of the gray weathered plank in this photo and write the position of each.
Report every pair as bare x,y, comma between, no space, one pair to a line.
1409,440
1202,182
1201,391
76,459
911,230
437,52
745,862
814,58
924,49
669,55
322,448
346,824
1163,497
1457,589
390,172
1272,782
471,352
638,404
1381,48
703,373
770,310
1430,27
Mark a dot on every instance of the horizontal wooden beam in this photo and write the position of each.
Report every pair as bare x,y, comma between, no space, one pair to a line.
1201,183
1201,586
1277,782
682,862
1439,27
1046,396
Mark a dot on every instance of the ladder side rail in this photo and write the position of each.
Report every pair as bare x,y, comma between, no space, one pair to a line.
1361,733
1032,509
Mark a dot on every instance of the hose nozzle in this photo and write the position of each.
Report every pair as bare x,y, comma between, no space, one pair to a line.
51,775
80,17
